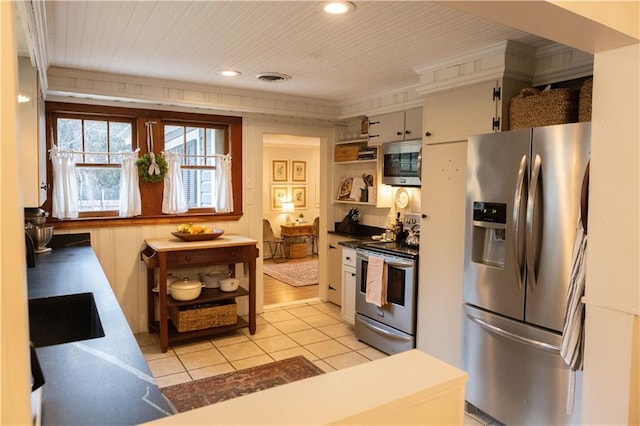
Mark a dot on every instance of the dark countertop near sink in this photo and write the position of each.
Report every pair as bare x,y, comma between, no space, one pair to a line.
98,381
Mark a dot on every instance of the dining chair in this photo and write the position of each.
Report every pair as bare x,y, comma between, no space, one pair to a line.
274,243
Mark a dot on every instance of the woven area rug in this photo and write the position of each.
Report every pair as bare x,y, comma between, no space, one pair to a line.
297,274
199,393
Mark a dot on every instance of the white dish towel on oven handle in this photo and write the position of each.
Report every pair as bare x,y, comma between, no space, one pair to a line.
376,281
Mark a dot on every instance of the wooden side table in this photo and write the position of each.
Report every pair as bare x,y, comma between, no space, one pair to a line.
295,239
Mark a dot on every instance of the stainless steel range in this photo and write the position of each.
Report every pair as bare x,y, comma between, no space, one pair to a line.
392,327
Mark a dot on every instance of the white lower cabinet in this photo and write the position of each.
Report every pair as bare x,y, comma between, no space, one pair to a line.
348,285
334,273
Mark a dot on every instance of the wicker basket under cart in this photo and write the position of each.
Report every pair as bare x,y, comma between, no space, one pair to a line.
204,315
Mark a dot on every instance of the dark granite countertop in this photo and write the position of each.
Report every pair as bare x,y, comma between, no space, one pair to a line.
98,381
351,243
360,232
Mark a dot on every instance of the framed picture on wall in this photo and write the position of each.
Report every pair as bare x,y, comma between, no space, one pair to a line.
279,193
298,171
279,171
299,196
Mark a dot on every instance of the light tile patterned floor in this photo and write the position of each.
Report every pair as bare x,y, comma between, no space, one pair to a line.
313,329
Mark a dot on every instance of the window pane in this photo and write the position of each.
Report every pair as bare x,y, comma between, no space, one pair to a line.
70,135
98,188
95,139
120,140
209,146
174,139
198,187
218,141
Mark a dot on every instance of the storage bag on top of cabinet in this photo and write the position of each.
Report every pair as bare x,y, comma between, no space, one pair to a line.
584,108
535,108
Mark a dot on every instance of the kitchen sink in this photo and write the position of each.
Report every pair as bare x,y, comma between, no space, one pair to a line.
64,319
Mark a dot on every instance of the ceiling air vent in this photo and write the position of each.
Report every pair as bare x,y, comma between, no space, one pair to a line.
272,76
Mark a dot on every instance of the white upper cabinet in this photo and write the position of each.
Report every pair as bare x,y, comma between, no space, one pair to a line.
455,114
31,133
395,126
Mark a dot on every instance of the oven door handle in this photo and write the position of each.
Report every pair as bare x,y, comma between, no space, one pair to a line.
388,261
385,332
401,265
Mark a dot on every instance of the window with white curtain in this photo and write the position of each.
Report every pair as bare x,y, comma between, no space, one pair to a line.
209,148
197,147
97,145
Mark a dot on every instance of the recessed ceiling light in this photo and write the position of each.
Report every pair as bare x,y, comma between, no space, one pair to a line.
229,73
338,7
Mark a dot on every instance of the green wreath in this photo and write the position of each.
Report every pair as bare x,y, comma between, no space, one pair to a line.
143,164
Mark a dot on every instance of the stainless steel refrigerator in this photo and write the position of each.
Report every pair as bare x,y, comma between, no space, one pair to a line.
523,197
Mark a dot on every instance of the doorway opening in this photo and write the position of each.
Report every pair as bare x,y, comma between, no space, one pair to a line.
291,203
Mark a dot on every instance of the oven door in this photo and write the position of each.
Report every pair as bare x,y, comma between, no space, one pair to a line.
399,312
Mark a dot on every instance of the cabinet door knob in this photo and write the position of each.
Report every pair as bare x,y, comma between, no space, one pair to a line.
348,258
407,132
399,133
427,134
188,258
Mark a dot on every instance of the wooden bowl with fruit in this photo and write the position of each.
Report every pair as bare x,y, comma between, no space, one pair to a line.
196,232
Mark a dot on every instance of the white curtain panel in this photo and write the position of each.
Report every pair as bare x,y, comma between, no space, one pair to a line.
223,186
65,185
130,201
173,197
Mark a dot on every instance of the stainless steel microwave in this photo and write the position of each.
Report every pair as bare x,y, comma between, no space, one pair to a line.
402,163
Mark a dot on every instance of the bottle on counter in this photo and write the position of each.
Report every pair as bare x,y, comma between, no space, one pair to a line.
399,230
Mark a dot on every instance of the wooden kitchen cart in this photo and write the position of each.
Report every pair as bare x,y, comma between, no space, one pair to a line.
172,253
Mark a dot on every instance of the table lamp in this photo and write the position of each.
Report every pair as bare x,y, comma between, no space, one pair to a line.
287,207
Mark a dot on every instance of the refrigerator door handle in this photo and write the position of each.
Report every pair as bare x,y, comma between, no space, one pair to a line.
517,245
531,238
504,333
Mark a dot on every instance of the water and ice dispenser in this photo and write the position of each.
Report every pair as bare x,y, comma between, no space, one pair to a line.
488,237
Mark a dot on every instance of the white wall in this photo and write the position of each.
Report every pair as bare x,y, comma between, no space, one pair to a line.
613,272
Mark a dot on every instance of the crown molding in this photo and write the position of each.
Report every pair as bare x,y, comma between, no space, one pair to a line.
34,25
397,100
114,87
559,63
507,59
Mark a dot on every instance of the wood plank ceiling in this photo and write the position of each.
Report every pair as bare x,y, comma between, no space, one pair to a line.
374,50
